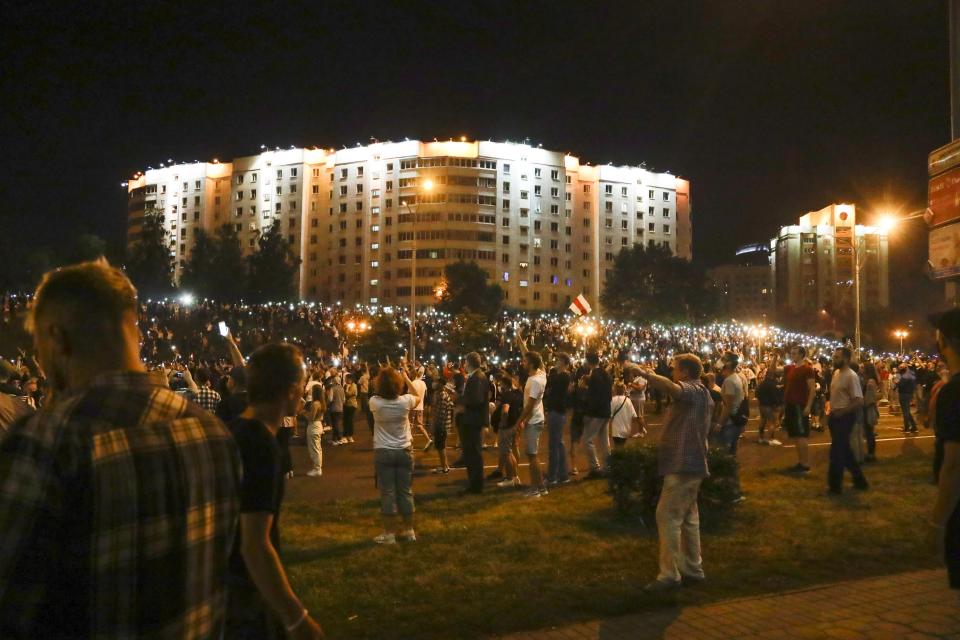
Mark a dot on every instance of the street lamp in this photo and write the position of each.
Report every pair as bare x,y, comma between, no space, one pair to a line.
427,187
901,334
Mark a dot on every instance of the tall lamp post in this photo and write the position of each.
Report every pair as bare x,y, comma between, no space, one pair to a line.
901,334
427,188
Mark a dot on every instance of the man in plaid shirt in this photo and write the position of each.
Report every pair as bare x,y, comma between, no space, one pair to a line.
118,500
204,395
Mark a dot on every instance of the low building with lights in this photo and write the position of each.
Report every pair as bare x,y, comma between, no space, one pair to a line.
543,225
746,287
813,263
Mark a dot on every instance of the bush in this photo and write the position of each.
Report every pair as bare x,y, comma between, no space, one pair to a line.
635,482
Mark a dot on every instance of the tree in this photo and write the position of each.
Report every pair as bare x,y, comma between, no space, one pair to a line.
149,264
229,272
649,284
86,247
466,290
381,341
272,268
199,272
470,332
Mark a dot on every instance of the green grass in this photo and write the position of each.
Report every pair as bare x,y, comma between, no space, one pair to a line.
498,563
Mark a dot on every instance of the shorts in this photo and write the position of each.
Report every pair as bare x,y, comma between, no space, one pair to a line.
416,417
531,437
769,412
796,424
505,439
638,406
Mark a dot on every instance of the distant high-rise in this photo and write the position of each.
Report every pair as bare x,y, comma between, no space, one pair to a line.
543,225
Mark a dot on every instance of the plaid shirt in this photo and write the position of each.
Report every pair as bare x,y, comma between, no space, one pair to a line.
683,441
118,506
206,398
442,410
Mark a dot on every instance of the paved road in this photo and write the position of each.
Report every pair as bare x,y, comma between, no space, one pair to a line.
907,606
348,469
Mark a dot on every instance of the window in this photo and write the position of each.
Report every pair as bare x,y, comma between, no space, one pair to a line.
623,191
623,241
293,188
554,192
375,193
389,185
554,175
608,223
374,247
374,211
506,276
650,194
536,172
239,178
536,243
651,227
374,228
666,196
524,195
343,207
506,168
666,212
359,205
608,189
586,223
239,195
650,211
253,177
279,190
504,222
536,190
343,174
389,166
506,187
359,172
279,173
554,244
666,229
505,240
608,207
555,209
524,283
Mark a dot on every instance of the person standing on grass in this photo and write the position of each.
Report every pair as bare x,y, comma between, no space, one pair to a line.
871,409
335,400
599,391
111,455
906,386
508,414
419,388
555,401
846,401
770,401
441,415
476,416
350,405
945,520
260,600
799,392
531,420
682,461
636,388
623,417
393,452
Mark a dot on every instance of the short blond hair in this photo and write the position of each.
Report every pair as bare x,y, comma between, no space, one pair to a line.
689,363
90,298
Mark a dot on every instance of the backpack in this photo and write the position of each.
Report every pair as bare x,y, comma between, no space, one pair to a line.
743,413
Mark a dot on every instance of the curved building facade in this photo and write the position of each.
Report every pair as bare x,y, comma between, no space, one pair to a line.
542,224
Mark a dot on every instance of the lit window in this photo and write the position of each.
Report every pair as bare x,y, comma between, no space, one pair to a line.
374,264
506,276
524,283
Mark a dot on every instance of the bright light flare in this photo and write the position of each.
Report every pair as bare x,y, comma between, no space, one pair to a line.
187,299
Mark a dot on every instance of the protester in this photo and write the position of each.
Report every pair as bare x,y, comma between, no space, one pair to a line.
506,418
871,409
555,402
682,461
945,519
532,419
70,565
441,414
393,452
205,396
260,601
799,392
599,392
351,403
906,386
476,416
846,401
623,417
770,402
11,410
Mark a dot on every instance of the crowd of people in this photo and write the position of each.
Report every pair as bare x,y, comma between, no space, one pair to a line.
119,386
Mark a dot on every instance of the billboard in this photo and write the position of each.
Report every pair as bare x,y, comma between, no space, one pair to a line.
943,197
945,251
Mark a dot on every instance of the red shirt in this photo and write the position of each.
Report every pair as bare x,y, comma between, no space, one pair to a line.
795,391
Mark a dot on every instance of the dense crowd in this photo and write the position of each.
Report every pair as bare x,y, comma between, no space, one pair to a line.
141,387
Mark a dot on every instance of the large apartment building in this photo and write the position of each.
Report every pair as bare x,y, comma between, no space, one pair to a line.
543,225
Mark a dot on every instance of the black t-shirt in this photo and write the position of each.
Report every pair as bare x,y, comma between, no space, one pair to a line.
261,490
558,386
769,394
599,394
947,429
514,398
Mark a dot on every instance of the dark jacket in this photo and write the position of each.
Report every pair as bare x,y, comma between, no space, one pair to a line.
555,397
476,400
599,394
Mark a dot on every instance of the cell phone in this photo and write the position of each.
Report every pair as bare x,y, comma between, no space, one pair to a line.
224,330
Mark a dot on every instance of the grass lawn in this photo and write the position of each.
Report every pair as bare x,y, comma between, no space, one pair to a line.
497,563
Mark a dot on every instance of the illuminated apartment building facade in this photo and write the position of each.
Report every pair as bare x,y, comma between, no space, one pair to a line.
543,225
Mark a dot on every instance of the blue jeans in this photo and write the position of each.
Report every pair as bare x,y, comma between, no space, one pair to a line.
557,458
730,436
909,424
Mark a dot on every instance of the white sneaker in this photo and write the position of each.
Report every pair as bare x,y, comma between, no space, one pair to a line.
386,538
532,493
315,473
508,482
350,439
775,443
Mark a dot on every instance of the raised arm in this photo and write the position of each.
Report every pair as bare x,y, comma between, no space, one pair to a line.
660,383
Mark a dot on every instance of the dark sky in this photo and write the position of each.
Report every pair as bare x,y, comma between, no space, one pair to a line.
770,108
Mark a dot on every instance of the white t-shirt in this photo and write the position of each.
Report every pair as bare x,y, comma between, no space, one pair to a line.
622,417
641,393
733,386
391,426
844,388
421,388
536,385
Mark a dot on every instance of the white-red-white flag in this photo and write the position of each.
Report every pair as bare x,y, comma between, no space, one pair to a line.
580,306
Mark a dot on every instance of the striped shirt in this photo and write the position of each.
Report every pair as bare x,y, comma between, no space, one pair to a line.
118,506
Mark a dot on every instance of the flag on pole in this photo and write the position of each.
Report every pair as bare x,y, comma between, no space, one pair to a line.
580,306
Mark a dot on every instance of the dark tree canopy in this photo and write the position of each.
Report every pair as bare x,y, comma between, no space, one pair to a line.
149,264
649,284
470,332
467,290
199,272
272,267
380,342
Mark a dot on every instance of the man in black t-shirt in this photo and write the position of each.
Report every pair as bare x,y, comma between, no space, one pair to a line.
260,601
599,388
945,520
555,401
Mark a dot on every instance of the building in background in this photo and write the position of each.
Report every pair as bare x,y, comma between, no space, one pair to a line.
543,225
746,287
813,263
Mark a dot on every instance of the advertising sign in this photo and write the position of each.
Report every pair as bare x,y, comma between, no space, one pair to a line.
943,197
945,251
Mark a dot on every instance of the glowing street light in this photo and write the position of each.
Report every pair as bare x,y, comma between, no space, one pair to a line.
901,334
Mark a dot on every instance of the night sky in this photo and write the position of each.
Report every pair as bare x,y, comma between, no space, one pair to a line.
770,108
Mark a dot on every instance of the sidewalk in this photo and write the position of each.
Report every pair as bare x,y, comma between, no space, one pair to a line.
904,606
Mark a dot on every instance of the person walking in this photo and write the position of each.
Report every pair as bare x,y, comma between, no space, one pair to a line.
846,401
906,386
682,461
599,392
112,453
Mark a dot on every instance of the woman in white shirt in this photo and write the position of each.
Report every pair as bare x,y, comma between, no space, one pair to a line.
393,452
